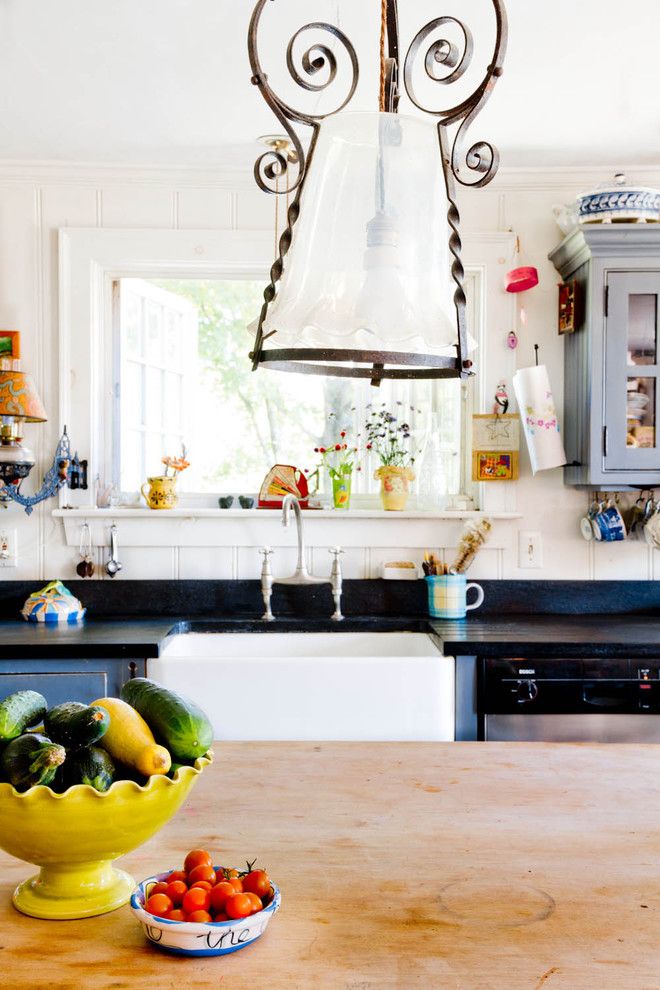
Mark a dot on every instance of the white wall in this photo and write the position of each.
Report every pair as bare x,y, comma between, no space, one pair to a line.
37,199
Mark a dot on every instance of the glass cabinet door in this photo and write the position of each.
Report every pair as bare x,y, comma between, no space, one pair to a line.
631,437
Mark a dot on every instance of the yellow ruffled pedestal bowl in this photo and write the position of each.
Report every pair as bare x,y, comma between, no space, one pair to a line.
74,837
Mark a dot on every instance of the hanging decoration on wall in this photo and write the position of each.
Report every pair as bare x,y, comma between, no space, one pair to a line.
539,417
495,447
568,315
356,291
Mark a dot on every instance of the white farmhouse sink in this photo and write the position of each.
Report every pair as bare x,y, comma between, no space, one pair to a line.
288,686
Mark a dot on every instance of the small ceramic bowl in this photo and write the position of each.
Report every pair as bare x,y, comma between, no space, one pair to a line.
226,501
246,501
188,938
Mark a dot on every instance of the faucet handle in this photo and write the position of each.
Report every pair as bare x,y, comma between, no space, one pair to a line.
266,551
266,583
336,580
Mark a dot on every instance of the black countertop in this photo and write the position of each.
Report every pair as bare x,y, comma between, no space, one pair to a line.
524,635
133,619
551,636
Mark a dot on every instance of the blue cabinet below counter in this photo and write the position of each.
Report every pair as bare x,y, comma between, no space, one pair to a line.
68,679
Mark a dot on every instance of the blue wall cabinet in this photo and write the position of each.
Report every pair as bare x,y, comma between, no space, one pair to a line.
612,359
68,680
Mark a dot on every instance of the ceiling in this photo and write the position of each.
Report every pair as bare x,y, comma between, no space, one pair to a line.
168,81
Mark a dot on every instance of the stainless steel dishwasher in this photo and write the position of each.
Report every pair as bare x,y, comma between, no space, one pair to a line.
599,700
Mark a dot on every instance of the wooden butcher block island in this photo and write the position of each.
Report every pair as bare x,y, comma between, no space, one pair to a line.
459,866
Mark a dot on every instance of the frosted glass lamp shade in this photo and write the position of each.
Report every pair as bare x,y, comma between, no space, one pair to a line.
369,265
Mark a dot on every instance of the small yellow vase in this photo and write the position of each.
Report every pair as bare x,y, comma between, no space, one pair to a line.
161,493
394,484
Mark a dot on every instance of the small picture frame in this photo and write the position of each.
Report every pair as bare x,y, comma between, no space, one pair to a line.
568,316
10,343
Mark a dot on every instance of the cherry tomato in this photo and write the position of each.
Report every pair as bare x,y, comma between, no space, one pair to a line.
255,901
202,872
158,888
176,914
237,884
220,893
176,875
220,872
197,857
159,904
221,916
196,899
238,906
176,890
204,884
199,916
257,882
230,874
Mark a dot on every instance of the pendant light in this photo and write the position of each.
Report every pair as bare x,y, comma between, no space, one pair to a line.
368,282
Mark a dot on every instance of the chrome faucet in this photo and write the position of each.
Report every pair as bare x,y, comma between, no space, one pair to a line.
301,575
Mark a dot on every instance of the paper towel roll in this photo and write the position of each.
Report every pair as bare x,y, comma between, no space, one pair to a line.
539,418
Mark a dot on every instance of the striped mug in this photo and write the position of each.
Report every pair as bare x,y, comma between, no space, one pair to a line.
448,596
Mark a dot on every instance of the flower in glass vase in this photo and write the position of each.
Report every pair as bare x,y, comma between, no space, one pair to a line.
389,437
338,459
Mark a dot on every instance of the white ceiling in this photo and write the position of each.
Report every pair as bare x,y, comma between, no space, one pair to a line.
167,81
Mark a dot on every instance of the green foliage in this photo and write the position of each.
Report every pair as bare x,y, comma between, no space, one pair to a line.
226,309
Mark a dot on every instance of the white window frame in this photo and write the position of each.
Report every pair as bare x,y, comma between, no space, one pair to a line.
92,259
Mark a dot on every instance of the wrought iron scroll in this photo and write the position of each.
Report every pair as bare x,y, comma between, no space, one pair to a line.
272,165
316,72
55,478
481,159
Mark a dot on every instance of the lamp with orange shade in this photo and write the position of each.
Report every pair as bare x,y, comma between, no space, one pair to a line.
19,404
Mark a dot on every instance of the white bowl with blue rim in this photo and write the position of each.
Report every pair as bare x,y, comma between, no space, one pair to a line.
195,938
617,202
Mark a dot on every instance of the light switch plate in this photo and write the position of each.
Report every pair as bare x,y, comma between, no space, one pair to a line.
8,548
530,549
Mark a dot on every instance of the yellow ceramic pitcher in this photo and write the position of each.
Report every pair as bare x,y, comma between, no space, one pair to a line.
161,493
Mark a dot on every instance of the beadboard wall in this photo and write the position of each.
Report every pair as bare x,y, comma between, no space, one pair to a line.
36,199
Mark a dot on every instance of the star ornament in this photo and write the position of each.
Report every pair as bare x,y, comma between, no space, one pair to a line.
499,430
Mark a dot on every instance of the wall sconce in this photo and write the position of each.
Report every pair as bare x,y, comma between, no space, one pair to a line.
20,404
362,286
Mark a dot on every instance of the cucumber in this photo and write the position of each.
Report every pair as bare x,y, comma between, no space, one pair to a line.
20,710
31,759
175,721
75,725
91,765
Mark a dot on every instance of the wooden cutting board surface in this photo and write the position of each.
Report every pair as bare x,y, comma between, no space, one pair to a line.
460,866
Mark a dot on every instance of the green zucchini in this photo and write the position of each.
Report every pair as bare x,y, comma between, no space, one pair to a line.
20,710
75,725
91,765
177,723
31,759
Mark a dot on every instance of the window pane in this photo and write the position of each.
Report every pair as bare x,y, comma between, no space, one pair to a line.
642,328
641,412
132,461
132,394
154,328
153,402
194,385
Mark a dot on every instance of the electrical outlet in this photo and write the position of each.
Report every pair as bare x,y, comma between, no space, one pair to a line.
8,549
530,549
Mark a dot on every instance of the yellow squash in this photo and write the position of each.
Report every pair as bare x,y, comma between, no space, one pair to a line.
130,740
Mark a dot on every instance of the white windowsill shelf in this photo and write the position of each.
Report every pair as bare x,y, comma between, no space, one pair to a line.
208,527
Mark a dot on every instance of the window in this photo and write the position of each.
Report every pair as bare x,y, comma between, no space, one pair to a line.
139,376
184,379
